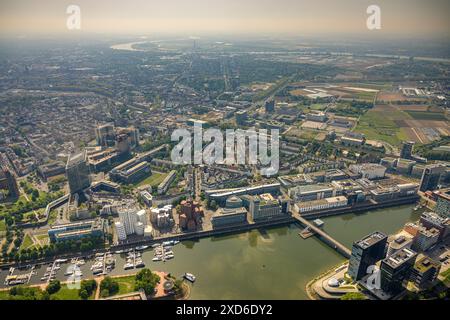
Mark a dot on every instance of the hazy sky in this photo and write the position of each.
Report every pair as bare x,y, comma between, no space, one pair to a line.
294,17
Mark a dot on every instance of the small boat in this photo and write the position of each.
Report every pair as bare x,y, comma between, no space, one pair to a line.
170,252
189,276
155,259
167,243
176,242
169,256
97,271
68,273
119,251
140,248
128,266
156,245
140,264
61,260
44,279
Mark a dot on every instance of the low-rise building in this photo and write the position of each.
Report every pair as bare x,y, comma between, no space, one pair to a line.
323,204
369,171
165,184
264,207
76,231
225,217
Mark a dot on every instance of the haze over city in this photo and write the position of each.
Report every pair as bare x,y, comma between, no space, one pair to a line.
412,18
225,150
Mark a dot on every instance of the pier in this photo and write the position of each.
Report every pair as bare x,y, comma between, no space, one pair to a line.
339,247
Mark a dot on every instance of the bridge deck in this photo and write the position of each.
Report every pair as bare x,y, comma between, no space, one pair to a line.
327,238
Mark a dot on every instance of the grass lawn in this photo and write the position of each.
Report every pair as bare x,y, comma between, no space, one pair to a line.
126,284
26,243
154,180
2,226
52,216
42,237
69,294
4,294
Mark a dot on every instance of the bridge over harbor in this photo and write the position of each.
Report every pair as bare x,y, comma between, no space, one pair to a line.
339,247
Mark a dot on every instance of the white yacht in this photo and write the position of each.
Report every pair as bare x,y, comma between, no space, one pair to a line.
189,276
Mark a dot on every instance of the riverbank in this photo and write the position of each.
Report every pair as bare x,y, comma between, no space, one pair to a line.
265,263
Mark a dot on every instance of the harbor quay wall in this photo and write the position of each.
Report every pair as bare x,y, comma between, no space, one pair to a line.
286,220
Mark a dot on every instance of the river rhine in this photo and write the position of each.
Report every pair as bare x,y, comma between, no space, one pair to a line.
275,263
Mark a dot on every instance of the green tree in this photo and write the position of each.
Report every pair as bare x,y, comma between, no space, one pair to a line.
53,287
108,287
147,281
353,296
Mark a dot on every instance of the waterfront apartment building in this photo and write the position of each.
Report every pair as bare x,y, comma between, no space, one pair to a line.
264,207
425,239
120,230
366,252
128,218
323,204
77,173
433,220
396,269
425,272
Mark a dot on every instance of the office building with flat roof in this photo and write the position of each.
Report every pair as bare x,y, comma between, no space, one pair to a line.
77,173
425,272
431,177
366,252
443,203
396,269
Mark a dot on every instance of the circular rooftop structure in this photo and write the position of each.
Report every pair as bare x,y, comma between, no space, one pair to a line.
233,202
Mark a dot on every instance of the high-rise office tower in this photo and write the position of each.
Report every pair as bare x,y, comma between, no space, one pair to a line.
396,269
77,172
366,252
270,106
431,177
8,181
105,134
407,149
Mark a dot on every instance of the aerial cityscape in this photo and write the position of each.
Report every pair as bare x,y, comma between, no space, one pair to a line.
220,161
